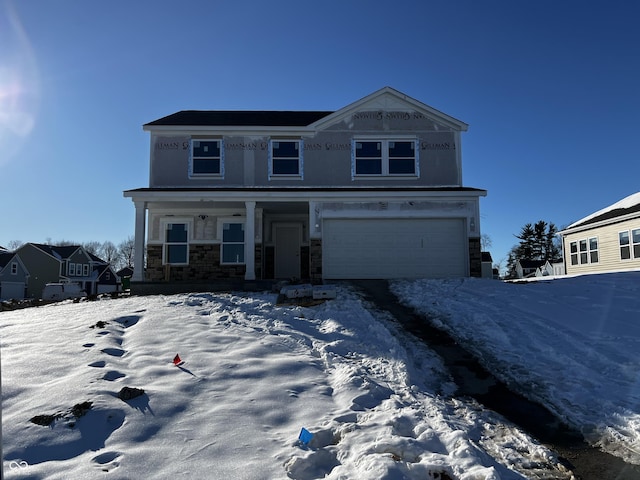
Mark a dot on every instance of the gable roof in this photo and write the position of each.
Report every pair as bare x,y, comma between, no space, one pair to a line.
524,263
59,252
390,98
386,97
63,252
627,206
240,118
4,258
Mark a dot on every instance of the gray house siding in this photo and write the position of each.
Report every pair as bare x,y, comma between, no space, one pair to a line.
42,269
13,277
327,159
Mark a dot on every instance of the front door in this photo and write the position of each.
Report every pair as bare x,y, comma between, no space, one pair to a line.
288,237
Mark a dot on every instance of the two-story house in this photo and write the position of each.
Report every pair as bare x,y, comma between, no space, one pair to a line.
69,263
373,190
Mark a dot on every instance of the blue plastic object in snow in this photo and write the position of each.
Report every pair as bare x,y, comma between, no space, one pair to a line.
305,436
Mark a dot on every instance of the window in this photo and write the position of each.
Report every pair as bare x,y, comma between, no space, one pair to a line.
232,243
625,250
629,244
385,157
593,250
71,269
176,247
206,157
14,268
85,270
574,253
286,157
78,269
584,251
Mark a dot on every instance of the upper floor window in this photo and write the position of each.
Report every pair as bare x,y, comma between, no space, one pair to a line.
629,243
71,269
285,157
385,157
206,158
176,246
14,268
85,270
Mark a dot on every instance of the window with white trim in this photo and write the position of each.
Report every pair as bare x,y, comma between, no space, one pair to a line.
629,244
14,268
285,157
232,243
584,251
206,158
625,249
85,270
593,250
378,157
71,269
176,244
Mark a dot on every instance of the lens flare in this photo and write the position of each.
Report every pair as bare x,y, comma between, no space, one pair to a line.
19,86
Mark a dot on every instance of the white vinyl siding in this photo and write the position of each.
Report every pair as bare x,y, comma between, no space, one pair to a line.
394,248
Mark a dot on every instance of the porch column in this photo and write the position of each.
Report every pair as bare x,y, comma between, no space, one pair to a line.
138,248
250,241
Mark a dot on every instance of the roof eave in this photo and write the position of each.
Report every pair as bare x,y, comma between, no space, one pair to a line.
601,223
228,129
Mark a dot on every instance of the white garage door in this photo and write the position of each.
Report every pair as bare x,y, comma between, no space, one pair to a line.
12,291
393,248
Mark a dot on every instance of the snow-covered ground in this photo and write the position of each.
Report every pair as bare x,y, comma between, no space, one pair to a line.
571,343
254,373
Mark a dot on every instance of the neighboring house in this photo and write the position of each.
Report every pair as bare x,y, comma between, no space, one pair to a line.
13,276
50,263
527,268
544,270
373,190
605,241
487,265
557,268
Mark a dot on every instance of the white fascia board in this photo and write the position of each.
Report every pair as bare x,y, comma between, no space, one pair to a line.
301,195
229,130
602,223
441,117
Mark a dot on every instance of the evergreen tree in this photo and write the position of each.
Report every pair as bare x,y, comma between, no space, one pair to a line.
537,242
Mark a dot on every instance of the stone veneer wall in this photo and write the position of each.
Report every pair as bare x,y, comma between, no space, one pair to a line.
315,261
204,264
475,258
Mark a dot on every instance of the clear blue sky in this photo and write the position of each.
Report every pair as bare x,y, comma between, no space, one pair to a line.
549,89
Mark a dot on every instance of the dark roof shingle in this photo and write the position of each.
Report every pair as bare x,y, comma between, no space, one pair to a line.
241,118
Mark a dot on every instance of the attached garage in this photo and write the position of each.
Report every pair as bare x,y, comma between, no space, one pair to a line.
394,248
12,290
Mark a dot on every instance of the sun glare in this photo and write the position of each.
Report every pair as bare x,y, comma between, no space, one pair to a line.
19,88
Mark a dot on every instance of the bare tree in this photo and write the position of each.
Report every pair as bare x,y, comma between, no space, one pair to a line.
485,242
125,250
109,252
92,247
14,245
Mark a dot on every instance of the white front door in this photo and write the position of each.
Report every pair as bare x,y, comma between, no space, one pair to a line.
287,237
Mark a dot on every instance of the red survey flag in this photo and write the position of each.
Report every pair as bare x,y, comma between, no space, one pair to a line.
176,359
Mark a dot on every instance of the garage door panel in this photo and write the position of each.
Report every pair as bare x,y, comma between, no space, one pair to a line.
12,291
394,248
